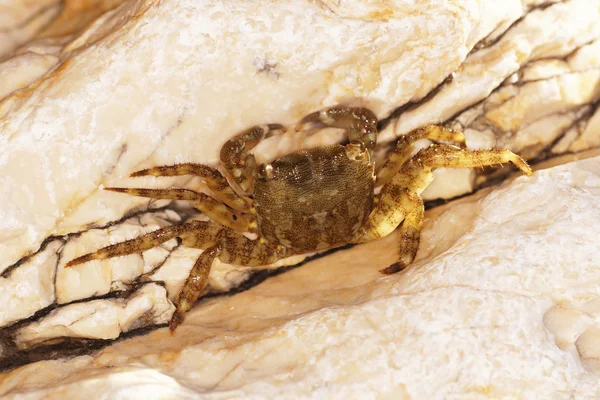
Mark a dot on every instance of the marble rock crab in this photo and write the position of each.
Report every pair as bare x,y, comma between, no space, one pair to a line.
306,201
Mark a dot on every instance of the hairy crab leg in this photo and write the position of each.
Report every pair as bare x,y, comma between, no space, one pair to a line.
194,285
360,123
209,206
231,248
410,236
395,203
216,241
405,146
213,179
236,157
399,197
196,234
442,155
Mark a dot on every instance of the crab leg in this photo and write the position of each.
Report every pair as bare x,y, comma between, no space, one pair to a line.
395,203
410,235
231,248
216,241
194,285
442,155
399,199
209,206
236,157
213,178
197,234
360,123
405,147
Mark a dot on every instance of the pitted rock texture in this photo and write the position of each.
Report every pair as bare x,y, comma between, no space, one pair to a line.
161,82
482,313
90,100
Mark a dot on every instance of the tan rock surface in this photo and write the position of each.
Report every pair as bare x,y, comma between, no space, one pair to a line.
100,319
21,20
501,302
150,83
153,77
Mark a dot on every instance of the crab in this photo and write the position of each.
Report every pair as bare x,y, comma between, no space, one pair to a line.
306,201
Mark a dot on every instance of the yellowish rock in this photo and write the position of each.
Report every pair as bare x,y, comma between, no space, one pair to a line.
21,20
165,82
100,319
150,83
478,314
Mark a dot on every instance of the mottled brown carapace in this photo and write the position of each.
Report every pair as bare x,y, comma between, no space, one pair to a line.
306,201
315,199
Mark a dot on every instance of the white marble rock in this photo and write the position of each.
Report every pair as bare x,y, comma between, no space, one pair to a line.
30,287
100,319
21,20
171,81
151,83
548,70
501,303
32,211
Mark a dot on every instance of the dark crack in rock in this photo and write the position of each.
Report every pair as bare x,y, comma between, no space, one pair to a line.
541,101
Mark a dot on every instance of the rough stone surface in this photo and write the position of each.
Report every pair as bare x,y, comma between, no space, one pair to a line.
502,301
21,20
105,88
152,76
100,319
31,287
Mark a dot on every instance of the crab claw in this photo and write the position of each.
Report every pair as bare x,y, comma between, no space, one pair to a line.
359,123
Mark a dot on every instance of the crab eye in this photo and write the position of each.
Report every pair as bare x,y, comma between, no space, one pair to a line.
356,152
265,171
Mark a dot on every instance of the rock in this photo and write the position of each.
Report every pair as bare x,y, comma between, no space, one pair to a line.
153,85
30,288
97,95
98,278
76,15
20,20
482,313
100,319
533,86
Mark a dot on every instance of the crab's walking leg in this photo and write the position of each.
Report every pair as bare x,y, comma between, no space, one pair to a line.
236,157
405,146
216,241
213,178
394,204
209,206
194,285
441,155
197,234
400,197
410,234
360,123
232,248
